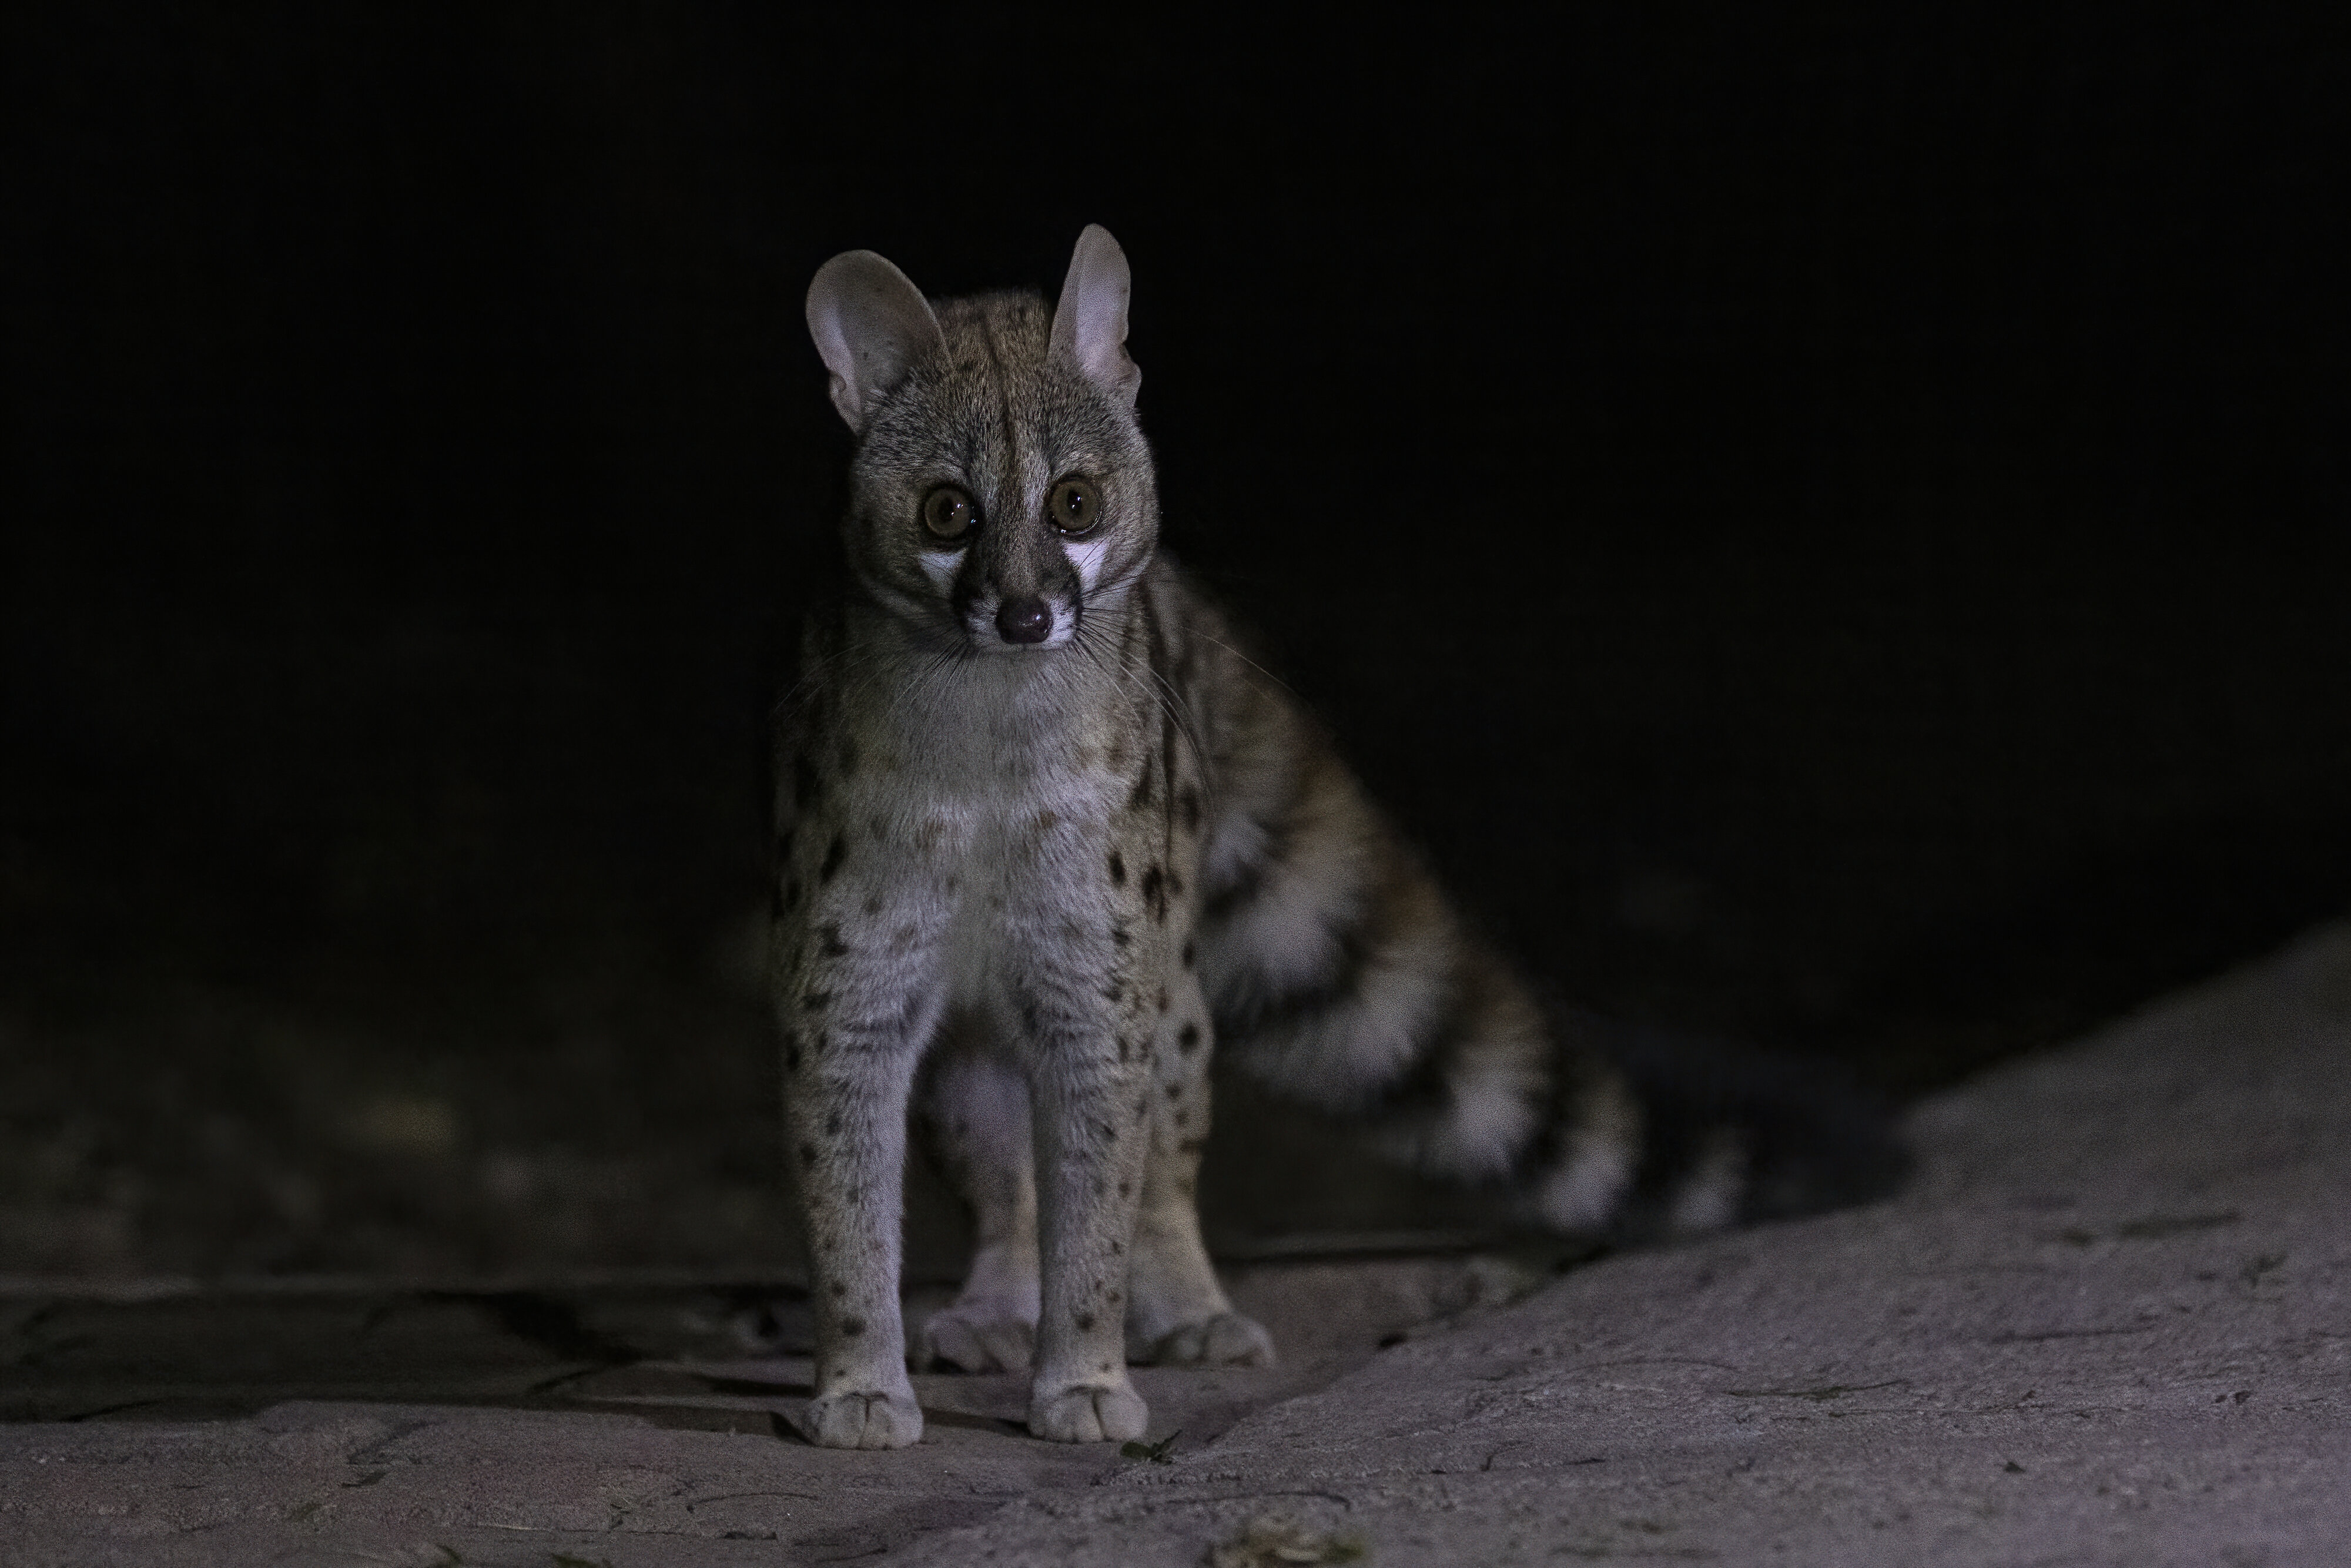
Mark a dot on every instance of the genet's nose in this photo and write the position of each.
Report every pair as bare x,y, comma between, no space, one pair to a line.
1024,620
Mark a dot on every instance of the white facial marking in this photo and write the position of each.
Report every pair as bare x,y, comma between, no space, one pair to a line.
1087,557
939,566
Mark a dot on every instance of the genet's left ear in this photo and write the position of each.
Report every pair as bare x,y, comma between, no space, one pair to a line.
1089,323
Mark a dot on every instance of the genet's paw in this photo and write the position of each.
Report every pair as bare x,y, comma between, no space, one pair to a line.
1087,1413
1225,1339
976,1336
864,1420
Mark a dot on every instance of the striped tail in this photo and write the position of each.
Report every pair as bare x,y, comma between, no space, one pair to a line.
1342,980
1734,1134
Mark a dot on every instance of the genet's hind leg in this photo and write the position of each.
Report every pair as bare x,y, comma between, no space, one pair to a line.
975,1109
1176,1312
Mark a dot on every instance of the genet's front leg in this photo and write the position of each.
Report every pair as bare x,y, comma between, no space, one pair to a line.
1091,1097
853,1028
845,1110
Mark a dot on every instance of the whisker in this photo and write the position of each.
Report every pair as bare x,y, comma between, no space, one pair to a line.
1244,658
1164,694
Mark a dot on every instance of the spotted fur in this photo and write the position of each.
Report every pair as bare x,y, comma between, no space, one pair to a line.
1025,884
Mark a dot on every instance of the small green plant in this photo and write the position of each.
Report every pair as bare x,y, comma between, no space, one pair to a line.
1157,1453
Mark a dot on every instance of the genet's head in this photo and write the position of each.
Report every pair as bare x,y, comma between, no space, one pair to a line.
1001,486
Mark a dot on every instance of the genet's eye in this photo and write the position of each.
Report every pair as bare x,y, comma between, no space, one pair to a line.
948,513
1075,506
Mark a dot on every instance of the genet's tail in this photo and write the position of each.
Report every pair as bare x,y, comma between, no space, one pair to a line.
1732,1135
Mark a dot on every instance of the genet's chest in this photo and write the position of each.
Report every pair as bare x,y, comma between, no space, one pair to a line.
985,797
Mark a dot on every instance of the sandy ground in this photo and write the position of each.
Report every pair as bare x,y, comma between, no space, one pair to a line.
2110,1321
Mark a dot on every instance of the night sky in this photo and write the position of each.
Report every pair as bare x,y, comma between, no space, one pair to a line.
1831,531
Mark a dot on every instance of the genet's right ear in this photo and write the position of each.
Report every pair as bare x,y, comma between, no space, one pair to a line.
871,326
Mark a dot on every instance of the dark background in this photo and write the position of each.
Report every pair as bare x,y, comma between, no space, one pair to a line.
1826,528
